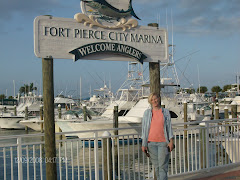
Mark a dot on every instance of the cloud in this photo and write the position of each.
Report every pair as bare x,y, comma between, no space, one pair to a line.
209,16
197,17
9,8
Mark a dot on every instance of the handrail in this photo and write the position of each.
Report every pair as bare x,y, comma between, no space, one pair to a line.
197,148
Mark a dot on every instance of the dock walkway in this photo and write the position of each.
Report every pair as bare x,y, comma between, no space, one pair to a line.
229,172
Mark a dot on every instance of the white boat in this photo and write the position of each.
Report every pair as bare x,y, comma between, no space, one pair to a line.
8,104
10,121
33,103
66,104
99,101
128,94
35,123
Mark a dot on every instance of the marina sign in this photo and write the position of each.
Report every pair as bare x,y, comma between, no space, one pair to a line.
95,31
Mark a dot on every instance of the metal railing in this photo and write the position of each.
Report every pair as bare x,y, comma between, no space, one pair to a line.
105,156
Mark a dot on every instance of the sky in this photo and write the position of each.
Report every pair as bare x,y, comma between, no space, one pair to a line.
205,34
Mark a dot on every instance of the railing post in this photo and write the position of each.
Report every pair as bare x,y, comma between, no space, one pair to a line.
185,133
96,156
218,149
107,155
115,132
207,145
203,146
19,158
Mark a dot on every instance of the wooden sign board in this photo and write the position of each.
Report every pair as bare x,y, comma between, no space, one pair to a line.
58,38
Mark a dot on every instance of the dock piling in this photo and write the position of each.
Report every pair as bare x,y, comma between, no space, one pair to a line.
198,111
26,118
234,109
216,112
15,110
203,111
59,111
212,107
84,112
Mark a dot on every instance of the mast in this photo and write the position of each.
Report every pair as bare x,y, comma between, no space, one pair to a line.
90,91
238,83
14,93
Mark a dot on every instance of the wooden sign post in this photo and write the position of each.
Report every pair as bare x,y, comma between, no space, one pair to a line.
49,124
154,72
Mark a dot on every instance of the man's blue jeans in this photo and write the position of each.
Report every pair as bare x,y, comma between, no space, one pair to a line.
159,156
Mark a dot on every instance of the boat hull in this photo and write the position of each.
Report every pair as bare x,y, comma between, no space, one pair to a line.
11,123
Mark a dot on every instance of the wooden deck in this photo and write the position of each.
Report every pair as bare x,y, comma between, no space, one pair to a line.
220,173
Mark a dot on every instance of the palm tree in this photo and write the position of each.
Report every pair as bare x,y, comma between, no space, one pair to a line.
226,87
2,96
203,89
25,89
32,88
216,89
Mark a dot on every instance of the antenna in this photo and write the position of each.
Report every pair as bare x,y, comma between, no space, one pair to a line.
158,19
110,82
40,90
172,34
104,80
198,79
166,19
80,89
